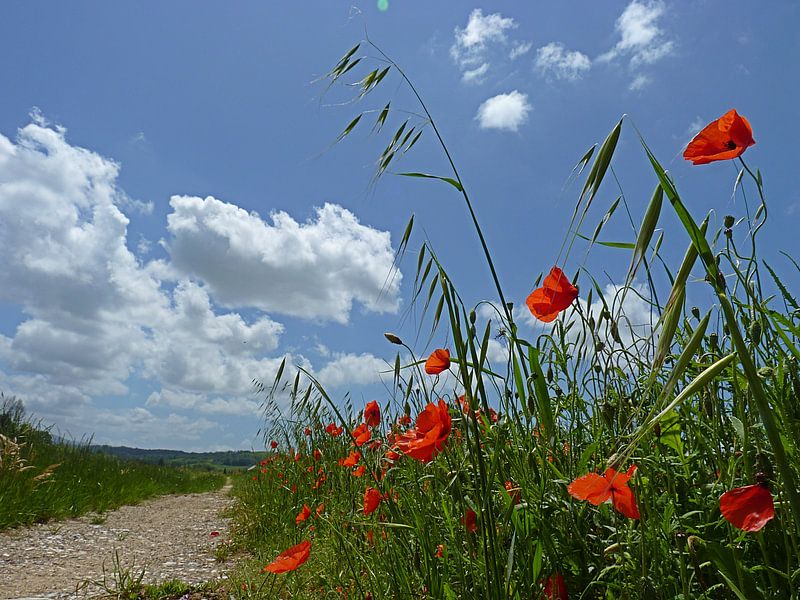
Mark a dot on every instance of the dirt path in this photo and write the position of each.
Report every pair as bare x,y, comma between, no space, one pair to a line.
171,537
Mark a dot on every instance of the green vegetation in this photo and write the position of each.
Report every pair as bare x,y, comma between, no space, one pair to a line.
702,403
228,460
41,479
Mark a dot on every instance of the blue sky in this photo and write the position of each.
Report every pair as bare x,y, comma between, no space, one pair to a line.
174,221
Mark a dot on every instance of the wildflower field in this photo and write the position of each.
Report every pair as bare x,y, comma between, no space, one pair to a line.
592,462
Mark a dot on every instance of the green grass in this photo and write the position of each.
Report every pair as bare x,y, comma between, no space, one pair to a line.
705,400
41,480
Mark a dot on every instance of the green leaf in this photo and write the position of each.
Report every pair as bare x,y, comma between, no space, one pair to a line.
449,180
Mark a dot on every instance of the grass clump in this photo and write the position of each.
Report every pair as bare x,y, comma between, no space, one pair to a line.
42,479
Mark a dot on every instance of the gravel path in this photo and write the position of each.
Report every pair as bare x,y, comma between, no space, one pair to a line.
171,537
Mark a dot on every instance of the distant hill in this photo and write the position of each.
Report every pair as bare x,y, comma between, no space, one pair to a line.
238,459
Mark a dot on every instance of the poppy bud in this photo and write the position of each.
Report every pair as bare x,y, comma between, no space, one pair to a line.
695,312
657,430
729,221
549,374
472,316
615,332
712,340
755,332
591,323
393,338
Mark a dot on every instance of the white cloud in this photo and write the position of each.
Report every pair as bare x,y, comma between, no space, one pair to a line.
504,111
641,37
639,82
562,63
520,49
472,43
94,316
475,75
481,29
352,369
313,270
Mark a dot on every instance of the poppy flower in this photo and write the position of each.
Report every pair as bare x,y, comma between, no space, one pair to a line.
470,521
749,507
438,361
333,430
428,437
351,460
439,551
320,509
555,295
290,559
359,471
372,498
372,414
514,492
214,534
273,444
724,139
404,420
555,588
307,431
303,515
317,454
612,485
361,434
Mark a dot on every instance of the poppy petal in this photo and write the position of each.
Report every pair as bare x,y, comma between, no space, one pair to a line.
591,487
290,559
748,508
625,502
438,361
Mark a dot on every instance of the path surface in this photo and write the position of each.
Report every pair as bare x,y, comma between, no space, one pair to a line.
171,537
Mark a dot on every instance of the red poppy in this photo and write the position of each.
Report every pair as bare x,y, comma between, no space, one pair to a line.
361,434
290,559
470,521
429,436
555,295
351,460
513,492
303,515
439,551
333,430
273,444
555,588
724,139
372,498
320,509
404,420
307,431
359,471
372,414
749,507
317,454
612,485
438,361
214,534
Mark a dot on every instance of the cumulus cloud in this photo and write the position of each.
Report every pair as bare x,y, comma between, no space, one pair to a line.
313,270
504,111
352,369
554,59
475,75
642,39
520,49
471,44
95,318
